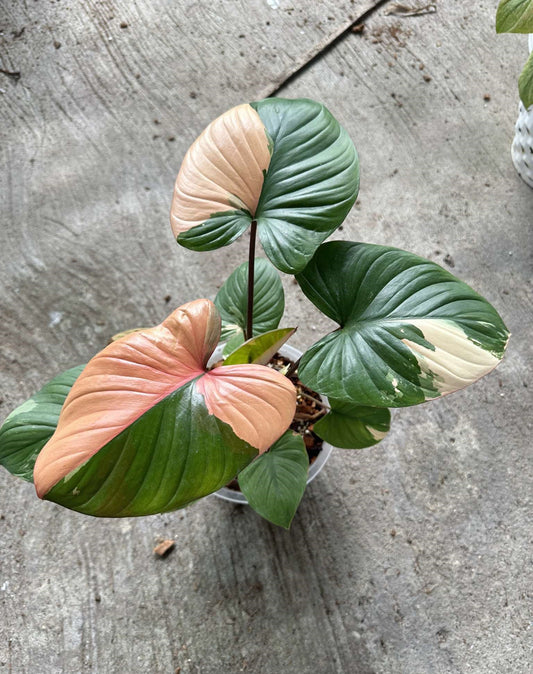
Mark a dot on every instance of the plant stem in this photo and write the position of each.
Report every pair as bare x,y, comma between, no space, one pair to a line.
292,368
251,271
315,400
301,416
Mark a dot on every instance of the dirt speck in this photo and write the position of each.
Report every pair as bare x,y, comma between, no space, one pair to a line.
163,548
448,259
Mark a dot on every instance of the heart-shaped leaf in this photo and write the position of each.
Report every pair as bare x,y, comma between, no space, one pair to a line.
350,426
409,330
146,427
260,349
287,164
514,16
29,427
232,302
275,482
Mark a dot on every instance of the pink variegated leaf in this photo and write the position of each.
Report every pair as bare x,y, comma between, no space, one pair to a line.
147,428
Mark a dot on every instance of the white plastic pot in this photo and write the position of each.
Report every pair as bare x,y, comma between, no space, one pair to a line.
522,147
314,469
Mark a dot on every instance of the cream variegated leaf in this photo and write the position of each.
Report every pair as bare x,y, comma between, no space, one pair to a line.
409,330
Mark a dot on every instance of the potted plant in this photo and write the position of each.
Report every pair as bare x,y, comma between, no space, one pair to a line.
153,422
516,16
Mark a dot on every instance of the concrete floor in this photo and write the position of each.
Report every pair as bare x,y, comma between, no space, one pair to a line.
410,557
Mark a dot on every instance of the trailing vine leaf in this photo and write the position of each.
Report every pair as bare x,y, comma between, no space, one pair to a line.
350,426
409,330
232,302
147,428
29,427
514,16
275,482
525,83
260,349
287,164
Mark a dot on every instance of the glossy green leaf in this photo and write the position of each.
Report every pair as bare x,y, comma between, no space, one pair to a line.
232,302
525,83
288,164
220,229
350,426
311,184
174,454
275,482
409,330
29,427
260,349
514,16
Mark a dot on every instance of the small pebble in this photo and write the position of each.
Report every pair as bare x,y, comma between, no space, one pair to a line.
162,549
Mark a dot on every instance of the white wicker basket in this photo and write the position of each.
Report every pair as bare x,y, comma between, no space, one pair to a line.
522,147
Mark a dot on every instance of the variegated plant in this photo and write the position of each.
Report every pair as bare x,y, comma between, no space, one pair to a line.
148,425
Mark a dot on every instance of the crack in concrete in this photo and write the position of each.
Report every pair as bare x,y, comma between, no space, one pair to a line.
330,42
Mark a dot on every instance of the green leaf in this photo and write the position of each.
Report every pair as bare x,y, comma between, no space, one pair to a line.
350,426
311,183
260,349
525,83
275,482
514,16
232,302
151,467
29,427
409,330
220,229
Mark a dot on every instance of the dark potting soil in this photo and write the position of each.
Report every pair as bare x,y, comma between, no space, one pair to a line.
309,409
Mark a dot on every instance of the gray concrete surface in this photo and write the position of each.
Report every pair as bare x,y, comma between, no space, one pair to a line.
413,557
